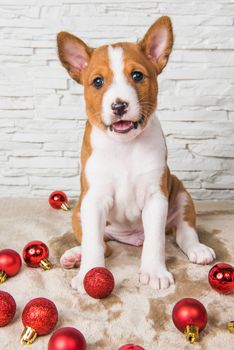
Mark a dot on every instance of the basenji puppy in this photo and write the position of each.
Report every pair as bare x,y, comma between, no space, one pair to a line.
127,191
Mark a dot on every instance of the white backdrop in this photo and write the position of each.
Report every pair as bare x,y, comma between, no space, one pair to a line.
42,110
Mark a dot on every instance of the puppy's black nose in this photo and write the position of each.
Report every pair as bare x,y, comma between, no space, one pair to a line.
119,107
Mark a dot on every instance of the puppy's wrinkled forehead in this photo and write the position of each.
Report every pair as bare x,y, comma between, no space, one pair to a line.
117,59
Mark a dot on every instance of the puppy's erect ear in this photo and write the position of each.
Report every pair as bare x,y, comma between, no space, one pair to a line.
74,54
157,43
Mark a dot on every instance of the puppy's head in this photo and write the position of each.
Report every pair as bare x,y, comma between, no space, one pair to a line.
119,80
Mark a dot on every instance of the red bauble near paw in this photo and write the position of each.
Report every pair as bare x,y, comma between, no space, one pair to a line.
36,254
7,308
99,283
67,338
189,317
221,278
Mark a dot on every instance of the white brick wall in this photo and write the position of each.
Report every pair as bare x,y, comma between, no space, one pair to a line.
42,110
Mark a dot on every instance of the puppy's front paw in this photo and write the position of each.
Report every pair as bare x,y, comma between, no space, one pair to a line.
71,258
77,283
201,254
156,279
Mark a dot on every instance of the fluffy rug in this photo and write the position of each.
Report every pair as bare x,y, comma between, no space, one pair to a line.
133,313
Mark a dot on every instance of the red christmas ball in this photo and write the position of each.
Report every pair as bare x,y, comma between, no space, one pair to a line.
190,317
67,338
99,282
131,347
7,308
58,200
39,317
35,254
10,263
40,314
221,278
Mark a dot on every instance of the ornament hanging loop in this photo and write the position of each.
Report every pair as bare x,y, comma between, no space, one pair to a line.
65,206
3,276
28,336
46,264
191,334
230,326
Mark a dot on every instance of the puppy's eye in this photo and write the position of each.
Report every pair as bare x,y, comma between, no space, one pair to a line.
98,82
137,76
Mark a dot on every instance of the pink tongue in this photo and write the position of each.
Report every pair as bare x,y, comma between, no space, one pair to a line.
122,125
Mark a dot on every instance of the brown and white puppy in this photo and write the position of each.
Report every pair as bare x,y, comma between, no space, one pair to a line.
127,191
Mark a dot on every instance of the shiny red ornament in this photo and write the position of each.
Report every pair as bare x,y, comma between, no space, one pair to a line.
131,347
190,317
7,308
39,317
67,338
58,200
99,282
36,254
221,278
10,263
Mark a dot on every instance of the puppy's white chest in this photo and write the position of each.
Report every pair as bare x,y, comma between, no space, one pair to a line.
126,173
128,201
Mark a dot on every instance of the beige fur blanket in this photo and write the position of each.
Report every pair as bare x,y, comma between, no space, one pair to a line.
133,313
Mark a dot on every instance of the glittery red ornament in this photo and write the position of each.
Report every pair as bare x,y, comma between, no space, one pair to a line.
58,200
99,282
131,347
10,263
67,338
7,308
221,278
190,317
35,254
39,317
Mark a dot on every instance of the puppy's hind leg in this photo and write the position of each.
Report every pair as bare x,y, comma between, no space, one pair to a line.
186,235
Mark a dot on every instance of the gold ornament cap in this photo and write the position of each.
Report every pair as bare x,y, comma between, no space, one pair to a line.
28,336
230,327
191,334
3,276
65,206
46,264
